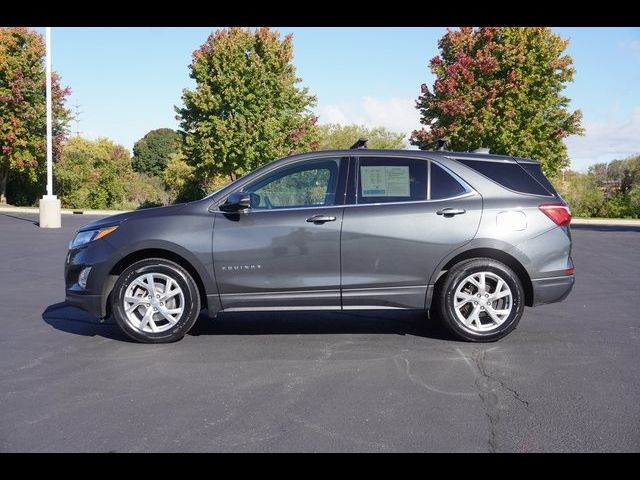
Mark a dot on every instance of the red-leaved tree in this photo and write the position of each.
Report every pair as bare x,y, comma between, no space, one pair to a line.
501,88
23,108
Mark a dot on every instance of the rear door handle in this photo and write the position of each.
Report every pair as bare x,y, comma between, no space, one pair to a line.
321,219
450,212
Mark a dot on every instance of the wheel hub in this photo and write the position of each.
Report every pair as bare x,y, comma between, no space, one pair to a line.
153,303
482,301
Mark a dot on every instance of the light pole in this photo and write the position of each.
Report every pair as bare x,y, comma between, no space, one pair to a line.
49,203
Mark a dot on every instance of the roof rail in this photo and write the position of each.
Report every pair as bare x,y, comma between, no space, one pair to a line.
361,143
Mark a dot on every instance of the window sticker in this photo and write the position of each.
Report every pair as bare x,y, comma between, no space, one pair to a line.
385,181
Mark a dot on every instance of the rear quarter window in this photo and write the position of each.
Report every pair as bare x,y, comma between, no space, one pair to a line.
535,171
509,175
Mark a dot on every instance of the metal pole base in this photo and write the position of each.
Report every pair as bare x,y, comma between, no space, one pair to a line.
50,216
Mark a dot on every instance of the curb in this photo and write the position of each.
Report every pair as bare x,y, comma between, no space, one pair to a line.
606,221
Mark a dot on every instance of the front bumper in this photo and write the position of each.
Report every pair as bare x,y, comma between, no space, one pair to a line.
551,290
100,256
87,302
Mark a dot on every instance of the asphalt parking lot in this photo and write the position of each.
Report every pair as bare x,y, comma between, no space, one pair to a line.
566,380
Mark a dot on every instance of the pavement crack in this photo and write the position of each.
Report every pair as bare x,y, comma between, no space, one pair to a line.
489,399
488,386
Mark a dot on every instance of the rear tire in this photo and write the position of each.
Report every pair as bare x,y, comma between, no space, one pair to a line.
480,300
155,301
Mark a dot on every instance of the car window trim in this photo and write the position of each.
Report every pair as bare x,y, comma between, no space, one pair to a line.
247,211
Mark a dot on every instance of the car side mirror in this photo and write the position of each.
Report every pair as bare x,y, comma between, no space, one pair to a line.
236,201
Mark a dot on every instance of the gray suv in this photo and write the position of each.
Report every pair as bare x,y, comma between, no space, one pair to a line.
471,238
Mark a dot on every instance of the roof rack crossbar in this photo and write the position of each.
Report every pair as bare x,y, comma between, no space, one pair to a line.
361,143
439,144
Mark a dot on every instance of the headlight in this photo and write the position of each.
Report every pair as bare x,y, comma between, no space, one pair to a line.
87,236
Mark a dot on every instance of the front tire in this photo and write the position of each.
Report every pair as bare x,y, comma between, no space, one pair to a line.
155,301
481,300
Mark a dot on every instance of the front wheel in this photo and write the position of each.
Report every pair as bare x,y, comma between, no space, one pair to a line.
481,300
155,301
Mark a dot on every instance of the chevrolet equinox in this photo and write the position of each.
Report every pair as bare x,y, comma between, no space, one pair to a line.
471,237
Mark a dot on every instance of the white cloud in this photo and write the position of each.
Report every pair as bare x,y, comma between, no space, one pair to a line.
605,140
396,114
615,137
632,44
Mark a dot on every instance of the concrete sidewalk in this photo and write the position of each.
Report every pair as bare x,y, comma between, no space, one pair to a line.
606,221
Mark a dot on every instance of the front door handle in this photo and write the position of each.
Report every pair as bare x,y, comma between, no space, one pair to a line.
321,219
450,212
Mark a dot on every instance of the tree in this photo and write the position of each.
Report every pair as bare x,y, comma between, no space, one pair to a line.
98,174
177,175
93,174
336,137
607,190
501,88
151,152
23,108
246,108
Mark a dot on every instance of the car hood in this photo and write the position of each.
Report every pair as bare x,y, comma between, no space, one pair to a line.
134,214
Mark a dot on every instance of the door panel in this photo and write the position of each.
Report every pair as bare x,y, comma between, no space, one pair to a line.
267,258
284,252
390,250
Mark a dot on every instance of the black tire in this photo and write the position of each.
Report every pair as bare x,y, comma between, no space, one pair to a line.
191,306
446,292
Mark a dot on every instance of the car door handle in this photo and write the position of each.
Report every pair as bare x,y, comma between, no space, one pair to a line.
449,212
321,219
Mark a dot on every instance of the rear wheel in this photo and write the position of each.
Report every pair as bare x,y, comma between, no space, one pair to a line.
155,301
481,300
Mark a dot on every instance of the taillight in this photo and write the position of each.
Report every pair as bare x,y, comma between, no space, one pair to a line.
558,212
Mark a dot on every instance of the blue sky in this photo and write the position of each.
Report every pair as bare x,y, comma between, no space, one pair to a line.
128,80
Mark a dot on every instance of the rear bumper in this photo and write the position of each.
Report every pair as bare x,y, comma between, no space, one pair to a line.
553,289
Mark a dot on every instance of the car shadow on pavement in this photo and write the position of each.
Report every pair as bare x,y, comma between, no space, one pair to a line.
67,318
307,322
70,319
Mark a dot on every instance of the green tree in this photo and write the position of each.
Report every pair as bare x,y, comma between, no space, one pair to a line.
93,174
247,108
336,137
582,194
151,152
501,88
177,175
98,174
23,109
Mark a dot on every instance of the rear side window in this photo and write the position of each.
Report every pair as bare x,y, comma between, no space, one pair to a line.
509,175
385,180
443,185
535,171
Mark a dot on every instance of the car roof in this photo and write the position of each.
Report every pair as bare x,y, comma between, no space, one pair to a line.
429,153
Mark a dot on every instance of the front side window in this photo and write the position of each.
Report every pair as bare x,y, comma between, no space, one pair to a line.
385,180
309,184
